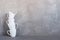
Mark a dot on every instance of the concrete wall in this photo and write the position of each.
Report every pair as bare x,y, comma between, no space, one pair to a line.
34,17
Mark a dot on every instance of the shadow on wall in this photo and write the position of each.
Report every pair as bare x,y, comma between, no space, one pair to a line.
5,26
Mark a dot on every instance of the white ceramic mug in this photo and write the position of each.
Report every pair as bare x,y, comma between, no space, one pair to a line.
11,24
12,32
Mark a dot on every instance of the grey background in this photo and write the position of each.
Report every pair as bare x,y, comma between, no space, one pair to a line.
34,17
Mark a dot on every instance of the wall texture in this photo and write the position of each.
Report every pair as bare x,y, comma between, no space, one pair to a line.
34,17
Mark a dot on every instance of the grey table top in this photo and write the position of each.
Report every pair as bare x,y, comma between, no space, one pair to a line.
30,38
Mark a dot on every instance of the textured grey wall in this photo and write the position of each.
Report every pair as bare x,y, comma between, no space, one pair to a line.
34,17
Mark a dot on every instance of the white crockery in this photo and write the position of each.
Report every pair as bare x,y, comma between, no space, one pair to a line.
11,24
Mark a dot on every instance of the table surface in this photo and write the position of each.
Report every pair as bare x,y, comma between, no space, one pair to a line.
30,38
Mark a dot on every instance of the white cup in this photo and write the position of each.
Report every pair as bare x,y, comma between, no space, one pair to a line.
12,32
